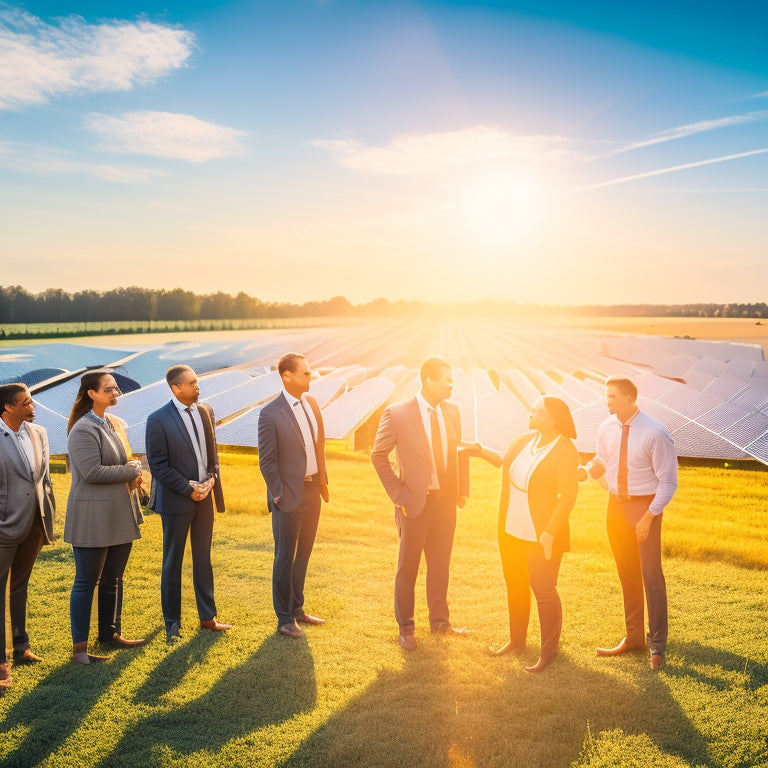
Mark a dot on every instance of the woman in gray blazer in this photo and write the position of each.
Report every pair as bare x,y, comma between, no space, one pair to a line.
103,513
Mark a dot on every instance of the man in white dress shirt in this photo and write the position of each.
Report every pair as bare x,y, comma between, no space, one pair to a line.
292,461
636,455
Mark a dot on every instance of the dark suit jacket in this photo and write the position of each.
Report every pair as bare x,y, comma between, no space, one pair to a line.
282,455
552,489
172,461
401,427
22,494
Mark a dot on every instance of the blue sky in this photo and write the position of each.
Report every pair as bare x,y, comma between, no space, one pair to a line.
547,152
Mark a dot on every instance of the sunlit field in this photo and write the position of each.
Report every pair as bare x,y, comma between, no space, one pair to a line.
348,696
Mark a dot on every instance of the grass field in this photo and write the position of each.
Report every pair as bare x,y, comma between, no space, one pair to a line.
348,696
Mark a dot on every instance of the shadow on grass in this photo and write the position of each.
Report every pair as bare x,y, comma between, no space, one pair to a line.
267,688
756,673
432,713
51,713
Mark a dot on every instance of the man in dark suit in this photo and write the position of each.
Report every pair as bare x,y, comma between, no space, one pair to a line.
292,460
426,431
184,462
26,514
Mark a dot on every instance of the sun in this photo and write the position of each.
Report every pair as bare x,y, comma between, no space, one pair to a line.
500,211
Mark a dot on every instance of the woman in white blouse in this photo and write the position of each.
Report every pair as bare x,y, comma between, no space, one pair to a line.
538,492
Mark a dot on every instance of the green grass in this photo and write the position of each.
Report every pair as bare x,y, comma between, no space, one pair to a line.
347,695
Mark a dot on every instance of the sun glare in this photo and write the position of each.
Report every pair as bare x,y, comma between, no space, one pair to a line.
500,211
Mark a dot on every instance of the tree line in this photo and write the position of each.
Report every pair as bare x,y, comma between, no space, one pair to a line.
54,305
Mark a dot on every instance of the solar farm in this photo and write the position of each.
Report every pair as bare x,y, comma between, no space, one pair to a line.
711,395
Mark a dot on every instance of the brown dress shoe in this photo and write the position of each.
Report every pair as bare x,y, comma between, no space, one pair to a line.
623,647
508,647
27,656
121,642
540,665
6,681
291,630
657,661
213,625
305,618
450,630
407,642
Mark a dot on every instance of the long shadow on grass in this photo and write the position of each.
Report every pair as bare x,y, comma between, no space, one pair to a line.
268,687
439,711
56,707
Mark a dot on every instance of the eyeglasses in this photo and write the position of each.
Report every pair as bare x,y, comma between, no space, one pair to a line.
110,390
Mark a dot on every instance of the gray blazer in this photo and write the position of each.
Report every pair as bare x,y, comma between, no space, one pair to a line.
101,511
24,494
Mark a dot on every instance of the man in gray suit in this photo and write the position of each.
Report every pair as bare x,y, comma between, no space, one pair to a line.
292,460
26,513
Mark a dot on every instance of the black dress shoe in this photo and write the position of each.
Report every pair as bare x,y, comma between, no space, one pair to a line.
305,618
623,647
25,657
173,633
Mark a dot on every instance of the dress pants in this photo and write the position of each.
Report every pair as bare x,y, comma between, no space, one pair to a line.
198,525
18,561
431,532
639,567
103,566
294,536
525,568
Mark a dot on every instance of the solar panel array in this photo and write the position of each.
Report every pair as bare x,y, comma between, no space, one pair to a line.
712,396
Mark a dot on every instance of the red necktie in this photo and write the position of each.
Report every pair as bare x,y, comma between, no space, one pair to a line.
623,478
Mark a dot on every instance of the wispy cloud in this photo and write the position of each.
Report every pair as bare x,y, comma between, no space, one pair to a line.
40,61
428,153
683,131
672,169
40,160
164,134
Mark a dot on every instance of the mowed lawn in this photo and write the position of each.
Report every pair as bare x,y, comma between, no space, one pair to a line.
348,696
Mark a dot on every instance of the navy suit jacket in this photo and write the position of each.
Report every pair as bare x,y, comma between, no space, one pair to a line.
172,460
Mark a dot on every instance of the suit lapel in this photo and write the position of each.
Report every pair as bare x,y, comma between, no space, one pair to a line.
287,412
176,419
7,441
205,417
422,439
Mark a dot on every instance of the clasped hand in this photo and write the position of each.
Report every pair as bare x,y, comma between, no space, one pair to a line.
201,490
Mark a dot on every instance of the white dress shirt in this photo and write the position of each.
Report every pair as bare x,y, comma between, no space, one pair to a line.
424,409
198,441
302,411
651,458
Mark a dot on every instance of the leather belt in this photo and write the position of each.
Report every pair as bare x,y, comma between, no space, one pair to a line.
633,499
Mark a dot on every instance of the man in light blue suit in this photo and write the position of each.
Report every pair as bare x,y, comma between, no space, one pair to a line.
184,461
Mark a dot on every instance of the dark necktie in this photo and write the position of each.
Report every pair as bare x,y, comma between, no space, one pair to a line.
623,478
188,409
437,447
309,421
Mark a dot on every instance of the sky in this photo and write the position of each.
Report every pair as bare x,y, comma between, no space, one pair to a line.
535,151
